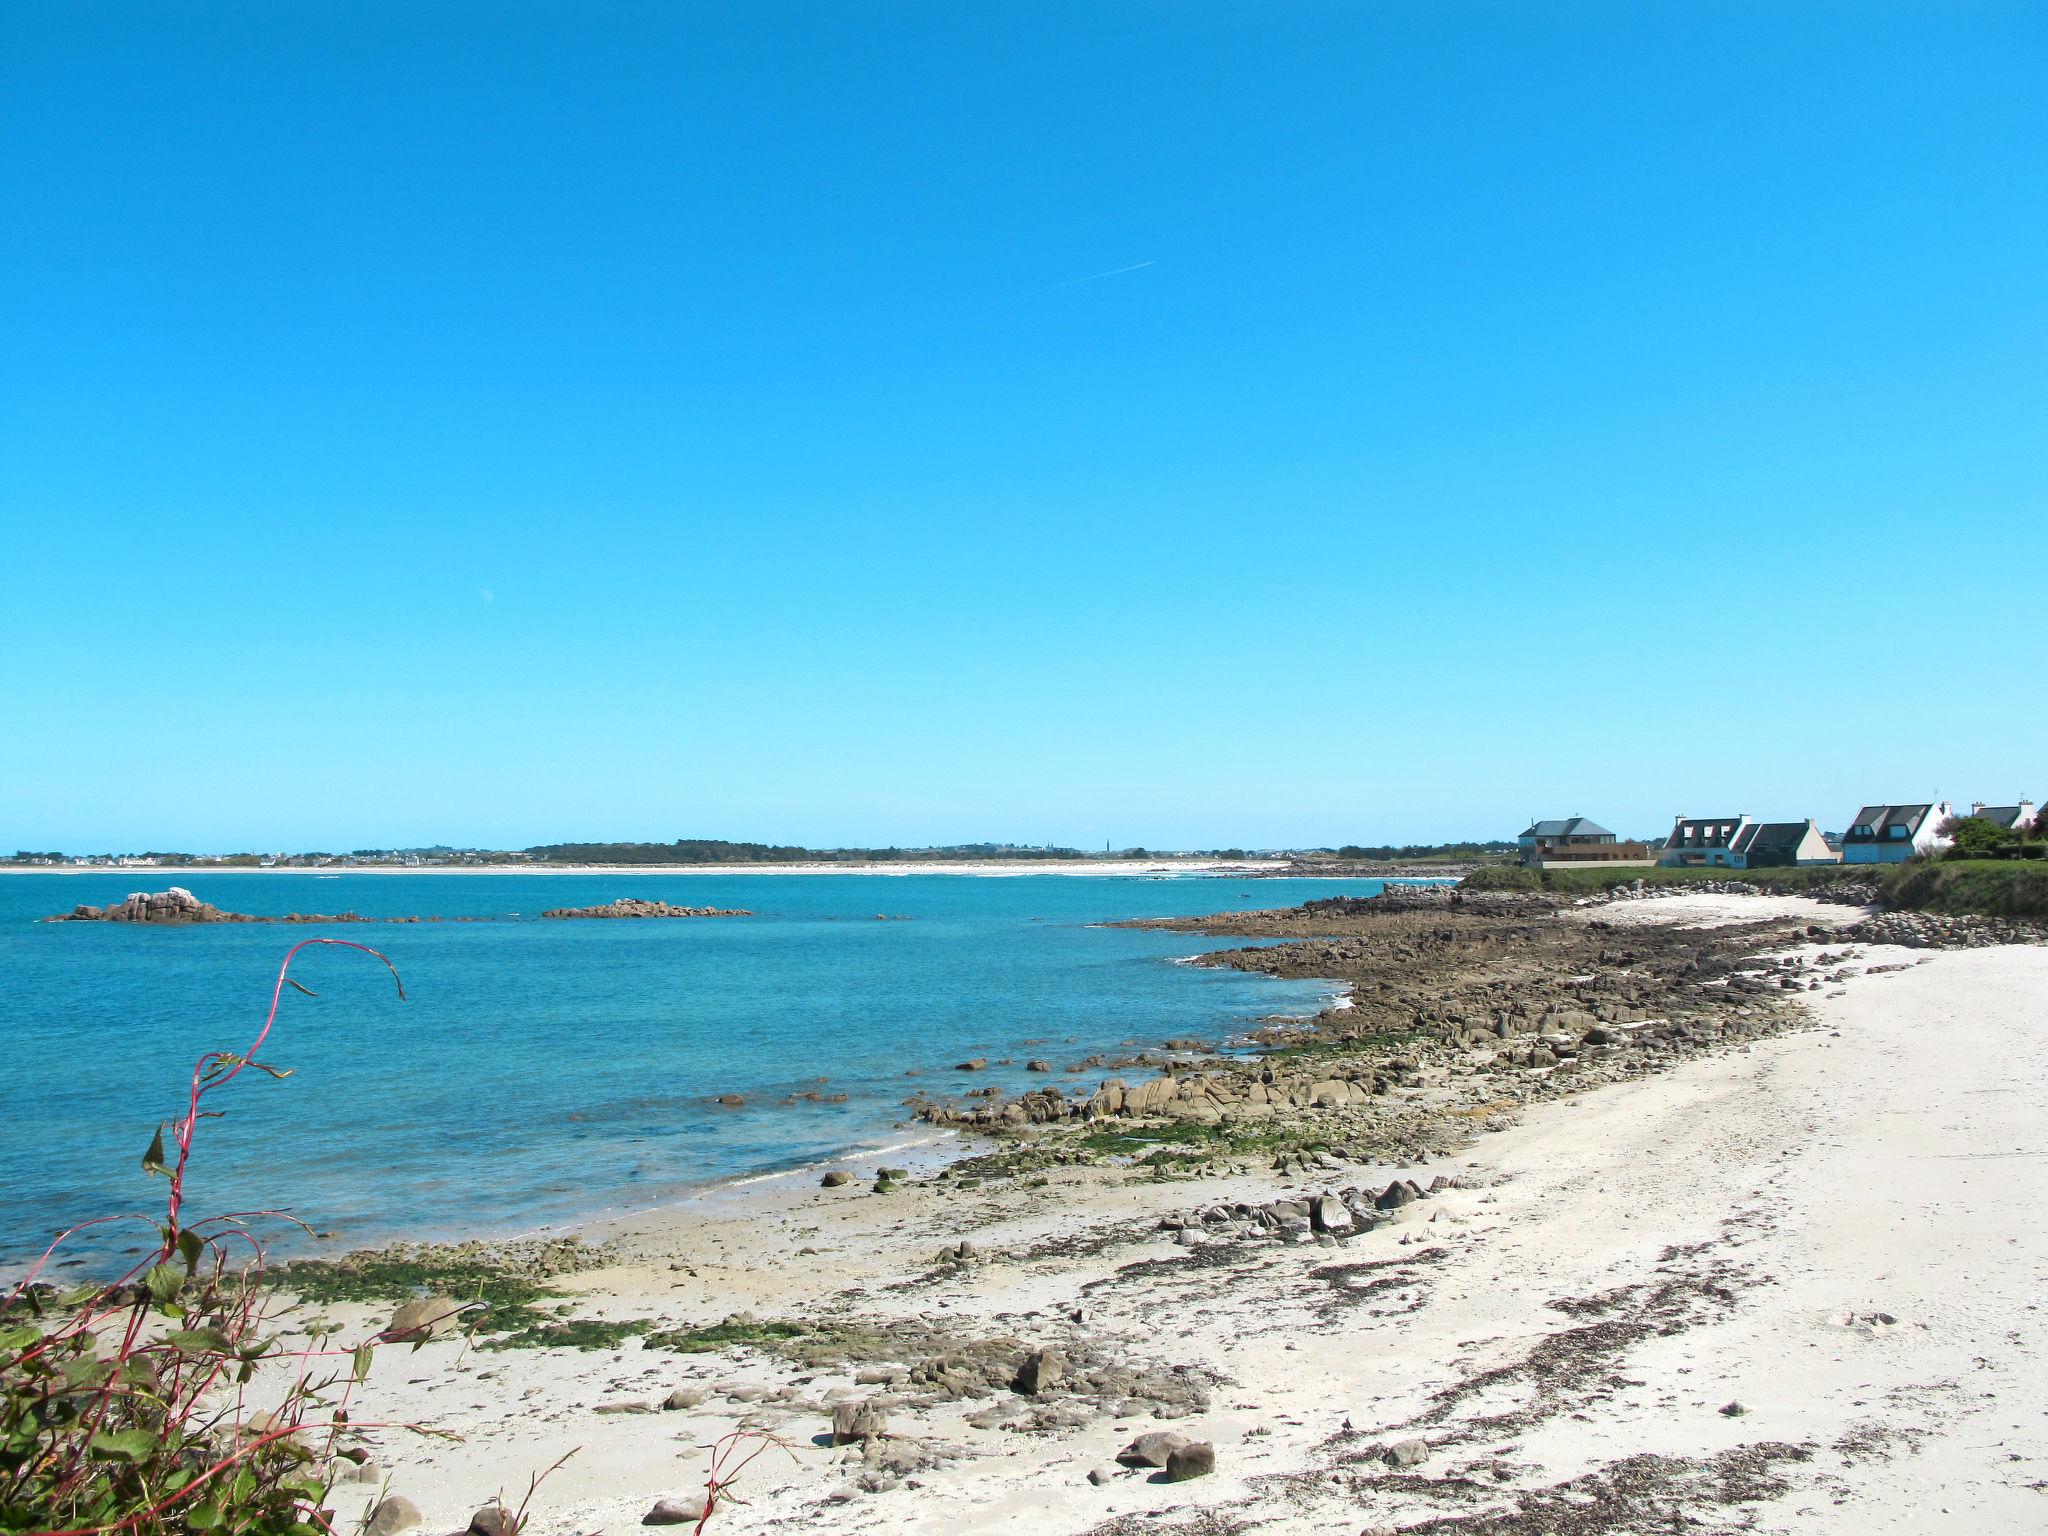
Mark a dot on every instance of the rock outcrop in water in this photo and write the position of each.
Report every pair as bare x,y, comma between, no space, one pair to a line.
178,905
633,906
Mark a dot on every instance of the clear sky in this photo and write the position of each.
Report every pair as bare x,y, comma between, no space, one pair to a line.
1179,424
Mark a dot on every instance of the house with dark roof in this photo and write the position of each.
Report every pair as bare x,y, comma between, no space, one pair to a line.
1576,840
1781,845
2010,818
1892,834
1700,841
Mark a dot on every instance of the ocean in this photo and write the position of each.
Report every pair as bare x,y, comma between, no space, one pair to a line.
541,1072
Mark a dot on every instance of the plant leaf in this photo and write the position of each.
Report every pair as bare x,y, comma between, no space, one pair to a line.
362,1361
153,1159
130,1445
164,1283
200,1341
301,987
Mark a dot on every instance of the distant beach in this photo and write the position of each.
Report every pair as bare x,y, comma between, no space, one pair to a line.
989,868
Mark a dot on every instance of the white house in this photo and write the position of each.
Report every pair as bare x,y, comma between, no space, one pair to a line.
2013,818
1892,834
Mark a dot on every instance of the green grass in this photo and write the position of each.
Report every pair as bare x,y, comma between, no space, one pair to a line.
1593,880
725,1335
571,1333
1960,887
1953,887
374,1277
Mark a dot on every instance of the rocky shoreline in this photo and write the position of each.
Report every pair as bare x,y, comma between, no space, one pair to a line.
1137,1263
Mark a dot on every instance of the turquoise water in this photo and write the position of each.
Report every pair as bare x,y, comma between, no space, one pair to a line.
545,1071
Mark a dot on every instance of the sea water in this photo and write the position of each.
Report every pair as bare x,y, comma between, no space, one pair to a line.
541,1071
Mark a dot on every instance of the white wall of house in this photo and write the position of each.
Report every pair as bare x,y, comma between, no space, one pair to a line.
1896,850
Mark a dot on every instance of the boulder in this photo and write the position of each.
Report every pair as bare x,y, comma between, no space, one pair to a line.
685,1397
1151,1449
493,1520
1406,1453
838,1178
1395,1195
1195,1459
976,1065
688,1511
1042,1368
393,1514
856,1421
1100,1475
415,1322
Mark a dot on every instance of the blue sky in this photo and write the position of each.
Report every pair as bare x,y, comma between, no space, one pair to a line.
501,423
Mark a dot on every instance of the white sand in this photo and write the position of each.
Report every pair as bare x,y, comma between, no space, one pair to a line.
1750,1219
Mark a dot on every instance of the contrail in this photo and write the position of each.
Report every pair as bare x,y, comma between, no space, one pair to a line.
1096,277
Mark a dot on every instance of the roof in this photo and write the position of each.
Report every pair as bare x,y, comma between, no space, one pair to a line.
1569,826
1709,835
1880,819
1761,838
2007,816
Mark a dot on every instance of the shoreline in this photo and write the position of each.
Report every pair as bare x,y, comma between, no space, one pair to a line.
983,869
1651,1280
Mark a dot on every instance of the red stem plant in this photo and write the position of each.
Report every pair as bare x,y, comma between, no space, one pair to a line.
123,1406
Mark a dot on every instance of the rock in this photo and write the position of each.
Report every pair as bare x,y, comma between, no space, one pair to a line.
1195,1459
1042,1368
493,1520
838,1178
975,1065
393,1514
633,906
685,1397
1152,1449
1406,1453
1327,1214
630,1405
731,1100
1395,1195
1733,1410
1037,1066
688,1511
854,1421
415,1322
1100,1475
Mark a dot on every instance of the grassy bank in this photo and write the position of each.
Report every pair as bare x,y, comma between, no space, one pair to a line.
1985,887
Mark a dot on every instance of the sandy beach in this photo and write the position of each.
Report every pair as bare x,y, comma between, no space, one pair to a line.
1786,1286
